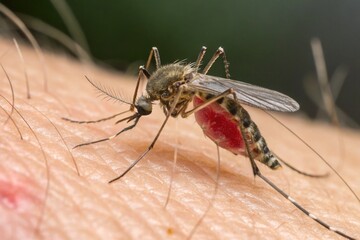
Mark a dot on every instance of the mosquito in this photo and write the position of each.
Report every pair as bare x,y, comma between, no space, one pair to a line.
217,106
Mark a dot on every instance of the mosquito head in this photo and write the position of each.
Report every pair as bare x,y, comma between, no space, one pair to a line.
166,80
143,105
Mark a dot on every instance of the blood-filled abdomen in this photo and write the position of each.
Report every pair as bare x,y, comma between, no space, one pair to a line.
220,126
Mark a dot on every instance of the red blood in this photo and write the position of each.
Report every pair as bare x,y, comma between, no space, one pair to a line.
14,194
220,126
7,195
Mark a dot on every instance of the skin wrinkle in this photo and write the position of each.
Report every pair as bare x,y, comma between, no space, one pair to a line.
52,216
182,227
55,180
118,217
103,161
64,219
12,121
106,204
59,134
222,216
62,140
24,201
26,164
133,214
94,149
161,201
198,197
14,153
205,225
153,209
141,217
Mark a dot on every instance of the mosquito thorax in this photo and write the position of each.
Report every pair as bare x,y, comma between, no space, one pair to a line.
166,80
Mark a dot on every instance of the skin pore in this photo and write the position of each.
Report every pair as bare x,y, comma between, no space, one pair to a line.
43,197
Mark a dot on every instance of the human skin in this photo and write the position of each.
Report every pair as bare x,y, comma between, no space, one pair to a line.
45,198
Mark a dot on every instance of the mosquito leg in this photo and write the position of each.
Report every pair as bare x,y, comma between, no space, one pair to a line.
257,172
200,58
154,52
219,51
144,153
96,121
313,217
317,154
142,72
113,136
176,100
207,103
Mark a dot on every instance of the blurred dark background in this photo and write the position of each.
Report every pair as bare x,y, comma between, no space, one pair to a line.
267,42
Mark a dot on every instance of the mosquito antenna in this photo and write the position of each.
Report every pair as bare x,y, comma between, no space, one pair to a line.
108,92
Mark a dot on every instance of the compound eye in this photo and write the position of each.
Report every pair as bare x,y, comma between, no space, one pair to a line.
143,106
165,95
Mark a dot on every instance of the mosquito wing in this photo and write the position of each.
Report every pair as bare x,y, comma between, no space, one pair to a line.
246,93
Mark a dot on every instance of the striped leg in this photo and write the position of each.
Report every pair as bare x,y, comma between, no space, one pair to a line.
257,172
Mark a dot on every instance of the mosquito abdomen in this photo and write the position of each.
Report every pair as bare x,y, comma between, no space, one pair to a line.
221,121
219,125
